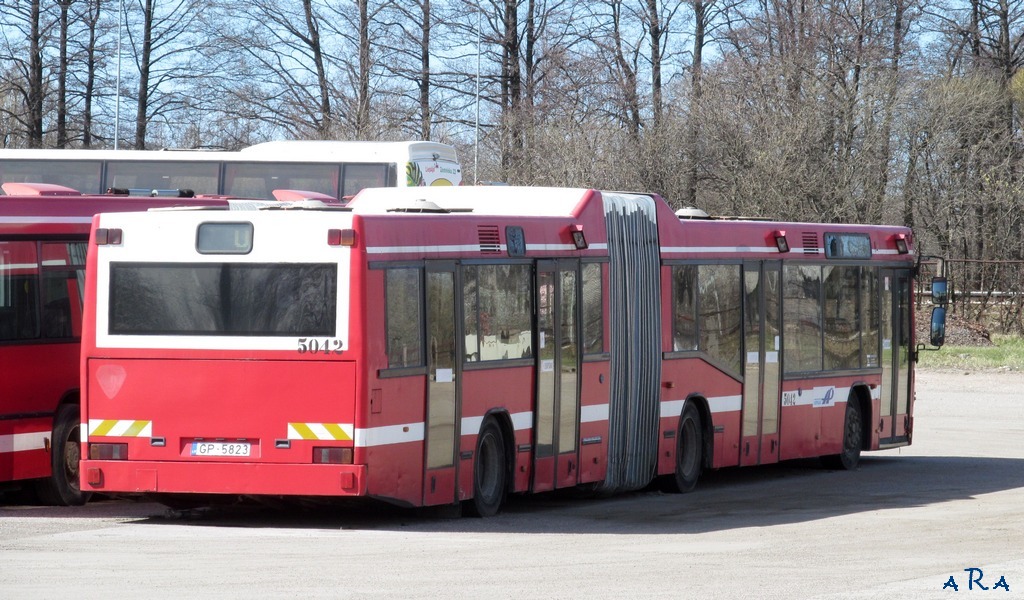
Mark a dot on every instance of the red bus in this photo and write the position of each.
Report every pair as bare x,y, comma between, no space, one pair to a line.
44,233
442,346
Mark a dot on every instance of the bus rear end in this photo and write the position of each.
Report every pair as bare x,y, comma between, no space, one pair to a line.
218,356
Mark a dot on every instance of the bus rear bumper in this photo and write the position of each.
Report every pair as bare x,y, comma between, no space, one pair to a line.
110,476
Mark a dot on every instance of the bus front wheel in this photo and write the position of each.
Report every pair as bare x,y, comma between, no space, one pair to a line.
852,434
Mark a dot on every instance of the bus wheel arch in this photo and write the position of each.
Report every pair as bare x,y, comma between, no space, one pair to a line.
63,487
490,468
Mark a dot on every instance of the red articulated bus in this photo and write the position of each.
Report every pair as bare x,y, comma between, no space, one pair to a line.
437,346
44,234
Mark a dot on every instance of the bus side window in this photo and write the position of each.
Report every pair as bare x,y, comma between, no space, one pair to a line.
684,308
593,309
19,272
359,176
404,318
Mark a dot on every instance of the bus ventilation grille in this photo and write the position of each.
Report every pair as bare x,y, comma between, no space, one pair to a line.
490,241
811,243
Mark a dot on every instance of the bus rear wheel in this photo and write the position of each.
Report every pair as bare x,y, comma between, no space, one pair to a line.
689,452
489,472
853,431
63,488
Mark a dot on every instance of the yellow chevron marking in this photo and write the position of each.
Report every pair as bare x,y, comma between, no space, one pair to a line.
303,431
103,428
119,427
135,428
317,431
335,430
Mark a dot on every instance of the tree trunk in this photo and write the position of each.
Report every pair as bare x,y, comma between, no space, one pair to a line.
142,106
424,82
35,79
363,93
324,124
62,77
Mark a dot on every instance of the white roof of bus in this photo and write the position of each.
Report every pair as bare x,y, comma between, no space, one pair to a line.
355,151
487,200
280,151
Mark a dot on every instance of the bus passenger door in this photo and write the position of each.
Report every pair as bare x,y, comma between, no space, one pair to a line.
441,427
895,325
556,413
761,378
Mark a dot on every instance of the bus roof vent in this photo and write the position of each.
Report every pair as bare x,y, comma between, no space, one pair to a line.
490,241
810,240
13,188
297,195
692,212
418,206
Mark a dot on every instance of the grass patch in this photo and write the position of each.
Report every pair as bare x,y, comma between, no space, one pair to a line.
1006,353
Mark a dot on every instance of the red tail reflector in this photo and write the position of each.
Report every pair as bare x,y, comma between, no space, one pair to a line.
332,456
94,476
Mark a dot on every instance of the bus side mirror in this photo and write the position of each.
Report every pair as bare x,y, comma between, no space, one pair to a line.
938,327
940,292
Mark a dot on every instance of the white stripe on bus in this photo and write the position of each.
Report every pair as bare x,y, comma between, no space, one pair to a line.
520,422
717,404
388,434
49,220
716,249
458,248
425,249
594,413
20,442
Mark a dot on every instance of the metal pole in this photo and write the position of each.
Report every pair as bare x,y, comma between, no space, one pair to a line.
117,93
476,135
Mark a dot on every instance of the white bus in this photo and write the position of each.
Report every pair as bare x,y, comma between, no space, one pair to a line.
334,168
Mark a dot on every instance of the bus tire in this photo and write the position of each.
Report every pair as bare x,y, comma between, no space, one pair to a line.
689,452
489,471
853,432
63,486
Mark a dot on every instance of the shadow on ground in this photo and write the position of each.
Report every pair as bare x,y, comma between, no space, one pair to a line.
791,492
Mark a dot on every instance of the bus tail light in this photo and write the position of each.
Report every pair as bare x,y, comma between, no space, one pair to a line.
108,237
108,451
341,237
332,456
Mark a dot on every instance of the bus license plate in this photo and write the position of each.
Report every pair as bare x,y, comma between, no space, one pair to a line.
220,448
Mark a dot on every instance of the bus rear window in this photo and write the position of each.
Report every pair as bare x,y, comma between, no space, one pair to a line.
223,299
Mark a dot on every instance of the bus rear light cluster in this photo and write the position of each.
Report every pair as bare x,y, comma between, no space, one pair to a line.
341,237
901,243
108,237
578,239
780,240
332,456
108,451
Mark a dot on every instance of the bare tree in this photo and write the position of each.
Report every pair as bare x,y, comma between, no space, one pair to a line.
23,47
165,44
